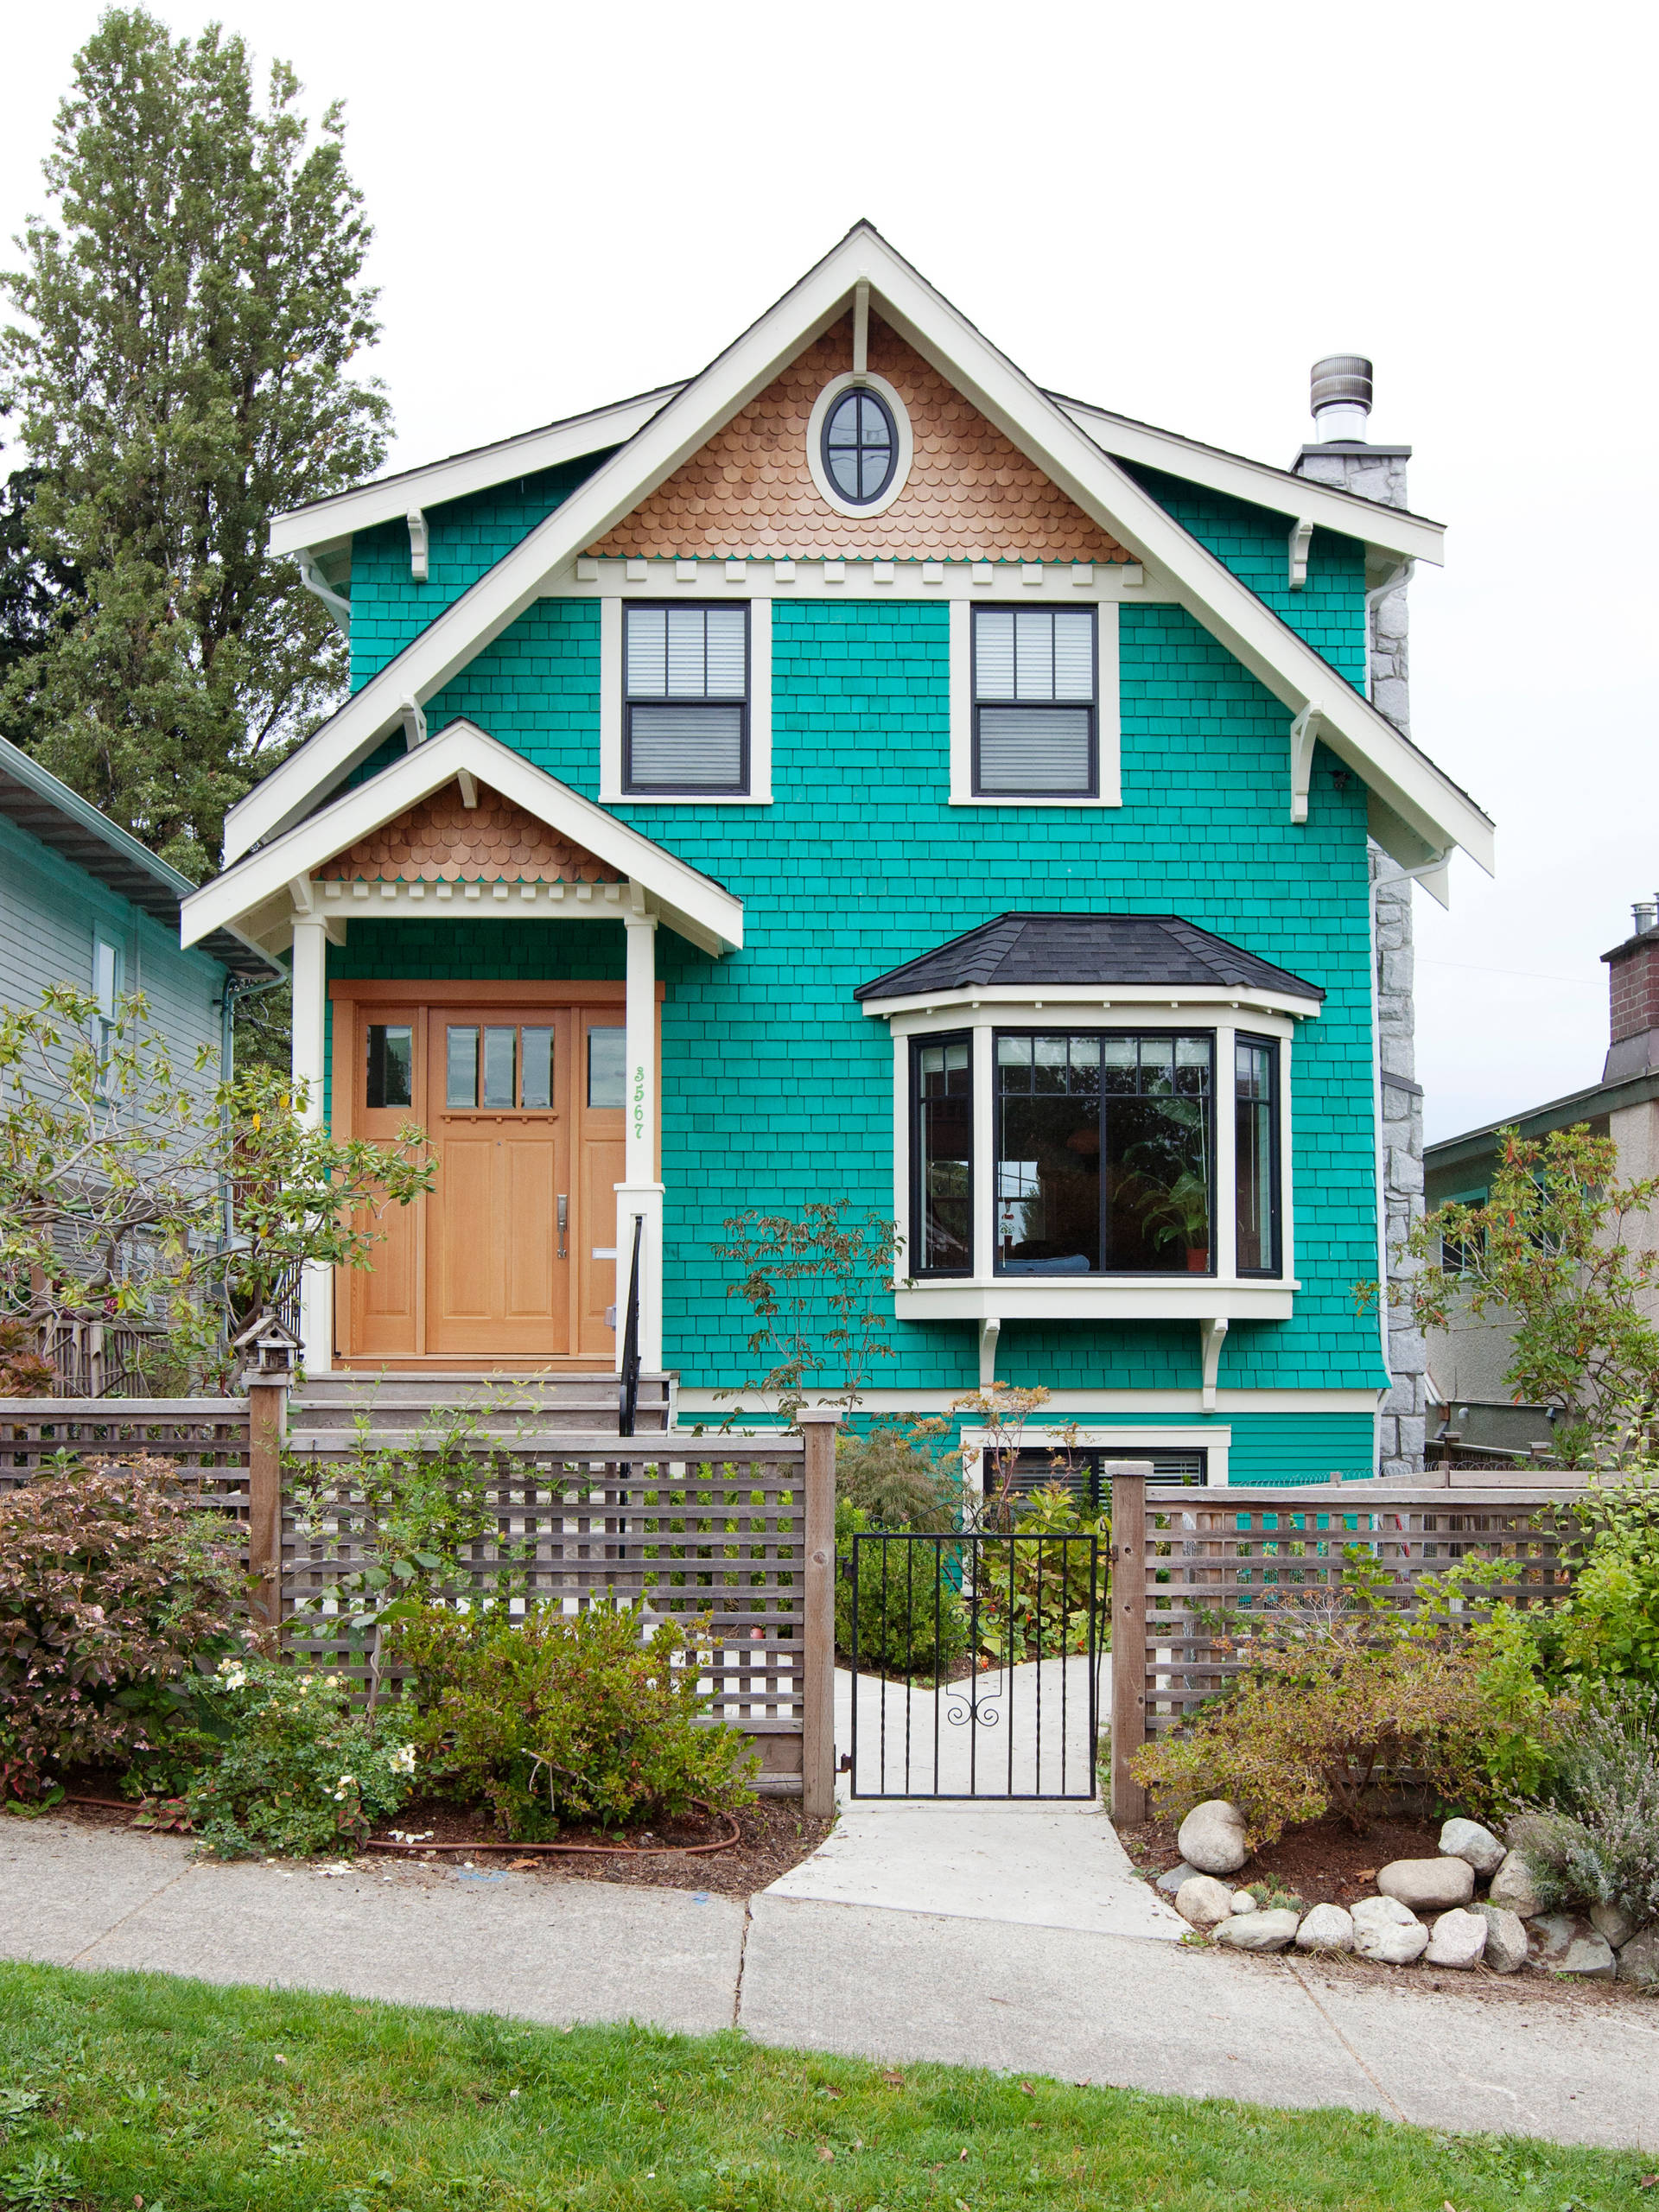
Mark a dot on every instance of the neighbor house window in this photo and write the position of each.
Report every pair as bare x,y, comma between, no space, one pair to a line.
1105,1154
860,446
685,720
106,975
941,1149
1256,1124
1035,724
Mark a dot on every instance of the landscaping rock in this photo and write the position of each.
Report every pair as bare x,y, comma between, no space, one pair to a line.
1553,1934
1381,1912
1243,1902
1506,1938
1327,1928
1428,1885
1170,1883
1614,1922
1512,1886
1591,1956
1638,1960
1468,1840
1457,1939
1387,1931
1258,1931
1534,1828
1203,1900
1212,1837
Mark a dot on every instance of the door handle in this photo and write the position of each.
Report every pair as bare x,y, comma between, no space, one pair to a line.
564,1219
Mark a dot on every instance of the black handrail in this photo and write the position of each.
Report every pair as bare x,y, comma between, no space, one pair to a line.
628,1404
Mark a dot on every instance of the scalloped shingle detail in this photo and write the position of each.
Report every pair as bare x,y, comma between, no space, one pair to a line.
748,493
443,840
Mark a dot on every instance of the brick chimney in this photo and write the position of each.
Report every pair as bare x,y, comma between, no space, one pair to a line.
1633,999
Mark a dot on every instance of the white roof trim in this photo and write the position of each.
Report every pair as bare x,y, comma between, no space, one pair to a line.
1434,813
690,903
388,499
1091,998
1394,530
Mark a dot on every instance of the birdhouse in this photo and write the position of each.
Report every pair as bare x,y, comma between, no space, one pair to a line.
269,1352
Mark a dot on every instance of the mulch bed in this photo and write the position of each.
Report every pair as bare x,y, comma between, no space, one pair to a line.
773,1836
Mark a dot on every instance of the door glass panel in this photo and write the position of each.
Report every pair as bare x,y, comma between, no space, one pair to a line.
392,1067
500,1067
607,1066
538,1069
461,1068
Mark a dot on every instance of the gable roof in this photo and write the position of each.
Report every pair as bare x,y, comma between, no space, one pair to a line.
1018,950
257,891
37,801
1418,813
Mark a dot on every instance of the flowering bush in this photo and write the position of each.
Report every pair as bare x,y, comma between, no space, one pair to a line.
550,1716
112,1584
1601,1846
301,1773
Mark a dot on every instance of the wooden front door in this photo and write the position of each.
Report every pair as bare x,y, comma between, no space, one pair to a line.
511,1260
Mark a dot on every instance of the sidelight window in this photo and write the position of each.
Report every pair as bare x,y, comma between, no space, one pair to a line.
391,1065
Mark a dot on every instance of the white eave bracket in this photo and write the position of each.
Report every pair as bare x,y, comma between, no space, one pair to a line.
413,725
1211,1336
1304,735
320,587
1301,537
417,546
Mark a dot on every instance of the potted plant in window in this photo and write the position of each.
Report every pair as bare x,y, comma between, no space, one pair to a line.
1178,1213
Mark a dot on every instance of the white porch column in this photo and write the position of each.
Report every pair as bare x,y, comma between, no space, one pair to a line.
640,1195
310,1016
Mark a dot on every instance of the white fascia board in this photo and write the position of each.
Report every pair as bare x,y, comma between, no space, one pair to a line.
1429,804
1188,1297
1093,998
1394,530
327,524
684,892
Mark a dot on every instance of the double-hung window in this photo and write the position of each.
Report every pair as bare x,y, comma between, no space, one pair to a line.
685,720
942,1156
1036,703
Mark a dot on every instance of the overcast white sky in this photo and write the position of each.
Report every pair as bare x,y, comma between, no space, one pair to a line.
1172,211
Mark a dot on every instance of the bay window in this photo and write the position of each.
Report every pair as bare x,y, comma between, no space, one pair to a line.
1256,1121
941,1141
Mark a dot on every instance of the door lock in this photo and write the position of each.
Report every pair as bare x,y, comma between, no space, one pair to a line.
564,1219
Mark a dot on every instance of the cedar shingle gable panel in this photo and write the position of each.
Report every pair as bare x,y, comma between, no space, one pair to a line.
443,839
1035,949
971,495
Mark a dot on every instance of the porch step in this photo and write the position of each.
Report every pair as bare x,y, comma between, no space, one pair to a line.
509,1406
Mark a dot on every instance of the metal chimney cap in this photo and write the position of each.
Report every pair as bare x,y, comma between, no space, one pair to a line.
1645,914
1340,380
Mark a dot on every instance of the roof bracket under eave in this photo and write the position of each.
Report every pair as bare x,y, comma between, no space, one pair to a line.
318,585
1301,537
413,725
417,546
1211,1336
1304,735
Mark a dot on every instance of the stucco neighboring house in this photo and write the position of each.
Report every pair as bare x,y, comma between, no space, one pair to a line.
1467,1363
83,903
858,773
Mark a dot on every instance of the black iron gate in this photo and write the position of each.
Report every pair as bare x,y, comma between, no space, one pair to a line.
976,1664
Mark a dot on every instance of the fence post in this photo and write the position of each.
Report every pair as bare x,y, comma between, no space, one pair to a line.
267,1429
1128,1633
818,1425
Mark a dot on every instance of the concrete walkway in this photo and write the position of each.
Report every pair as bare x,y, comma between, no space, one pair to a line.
869,1980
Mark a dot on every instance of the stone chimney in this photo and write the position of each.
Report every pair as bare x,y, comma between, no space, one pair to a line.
1340,401
1633,999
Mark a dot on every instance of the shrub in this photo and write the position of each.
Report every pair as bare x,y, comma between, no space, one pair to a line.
895,1481
911,1621
548,1717
1316,1726
300,1774
1604,1848
1035,1597
112,1585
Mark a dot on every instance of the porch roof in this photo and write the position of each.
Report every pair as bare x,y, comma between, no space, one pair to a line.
1038,950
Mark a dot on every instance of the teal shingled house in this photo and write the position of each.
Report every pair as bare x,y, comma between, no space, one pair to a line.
857,773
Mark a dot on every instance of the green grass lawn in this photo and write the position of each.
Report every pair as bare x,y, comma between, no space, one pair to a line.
117,2089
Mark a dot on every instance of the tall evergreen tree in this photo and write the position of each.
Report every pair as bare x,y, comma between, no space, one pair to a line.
180,375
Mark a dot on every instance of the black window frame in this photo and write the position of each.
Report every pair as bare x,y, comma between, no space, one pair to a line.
1275,1158
917,1217
1208,1274
859,391
1045,796
631,788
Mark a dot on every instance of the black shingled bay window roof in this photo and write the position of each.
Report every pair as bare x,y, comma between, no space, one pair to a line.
1017,949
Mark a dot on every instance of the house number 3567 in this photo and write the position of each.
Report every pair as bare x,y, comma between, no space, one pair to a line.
639,1105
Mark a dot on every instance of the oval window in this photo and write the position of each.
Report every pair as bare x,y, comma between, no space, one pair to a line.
861,446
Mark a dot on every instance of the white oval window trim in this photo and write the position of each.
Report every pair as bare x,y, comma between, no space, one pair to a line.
821,406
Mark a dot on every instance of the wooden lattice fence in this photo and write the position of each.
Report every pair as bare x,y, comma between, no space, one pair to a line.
1194,1568
207,1439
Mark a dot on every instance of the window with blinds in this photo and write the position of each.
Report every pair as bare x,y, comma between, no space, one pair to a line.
685,723
1035,699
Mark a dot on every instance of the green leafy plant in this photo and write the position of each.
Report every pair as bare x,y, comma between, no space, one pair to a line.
817,1284
1035,1597
1603,1847
892,1476
300,1774
113,1586
911,1622
549,1717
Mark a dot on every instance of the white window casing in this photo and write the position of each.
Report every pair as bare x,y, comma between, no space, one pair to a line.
821,406
1108,716
611,789
1126,1443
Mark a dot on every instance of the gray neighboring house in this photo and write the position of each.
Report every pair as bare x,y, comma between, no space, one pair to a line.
83,903
1467,1362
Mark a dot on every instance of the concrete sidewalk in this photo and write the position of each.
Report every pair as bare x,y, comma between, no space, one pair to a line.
867,1980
